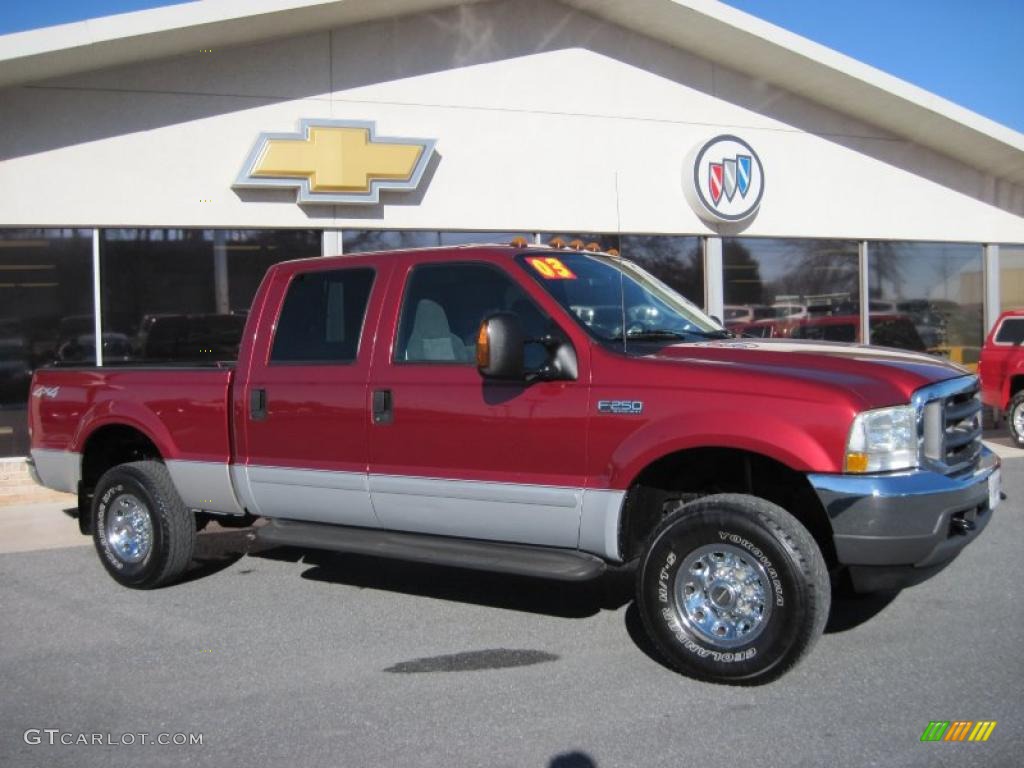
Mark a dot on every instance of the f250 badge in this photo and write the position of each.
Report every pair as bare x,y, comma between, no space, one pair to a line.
626,407
50,392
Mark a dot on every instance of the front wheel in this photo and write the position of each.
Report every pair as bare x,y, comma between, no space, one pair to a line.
732,589
1015,417
143,531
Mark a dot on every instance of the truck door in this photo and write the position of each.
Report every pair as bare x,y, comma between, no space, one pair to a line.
302,405
452,453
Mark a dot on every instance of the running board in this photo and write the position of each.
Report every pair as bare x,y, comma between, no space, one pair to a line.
521,559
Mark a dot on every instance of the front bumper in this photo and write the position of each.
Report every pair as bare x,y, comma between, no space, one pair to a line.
899,529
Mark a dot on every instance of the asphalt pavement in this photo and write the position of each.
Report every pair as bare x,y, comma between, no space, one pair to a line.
279,658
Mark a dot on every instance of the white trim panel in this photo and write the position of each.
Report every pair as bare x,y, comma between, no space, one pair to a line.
205,485
59,470
340,498
599,523
510,512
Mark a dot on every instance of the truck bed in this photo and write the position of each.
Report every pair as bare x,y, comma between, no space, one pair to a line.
184,408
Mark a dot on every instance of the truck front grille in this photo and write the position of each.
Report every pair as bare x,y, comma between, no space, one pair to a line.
951,424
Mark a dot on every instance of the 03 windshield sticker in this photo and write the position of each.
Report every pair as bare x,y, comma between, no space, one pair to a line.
550,268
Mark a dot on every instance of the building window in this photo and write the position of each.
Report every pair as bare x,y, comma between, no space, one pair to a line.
46,312
1011,277
792,288
182,295
364,240
676,261
937,287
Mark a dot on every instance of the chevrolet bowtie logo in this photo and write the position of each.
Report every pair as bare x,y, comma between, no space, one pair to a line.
336,161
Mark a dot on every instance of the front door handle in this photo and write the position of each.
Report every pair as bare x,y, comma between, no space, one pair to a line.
383,412
258,404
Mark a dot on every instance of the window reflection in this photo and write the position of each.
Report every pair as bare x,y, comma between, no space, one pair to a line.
1011,277
45,298
182,295
676,261
938,287
792,288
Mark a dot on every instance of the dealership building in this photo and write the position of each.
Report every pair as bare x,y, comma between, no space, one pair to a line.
154,164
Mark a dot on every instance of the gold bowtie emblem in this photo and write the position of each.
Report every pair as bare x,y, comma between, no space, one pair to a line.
336,161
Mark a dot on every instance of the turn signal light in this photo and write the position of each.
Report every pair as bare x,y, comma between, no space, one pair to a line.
856,462
483,347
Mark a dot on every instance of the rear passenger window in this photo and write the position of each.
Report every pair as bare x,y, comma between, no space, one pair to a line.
322,317
1011,331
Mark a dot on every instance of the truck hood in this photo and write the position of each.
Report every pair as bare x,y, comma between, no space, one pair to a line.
878,376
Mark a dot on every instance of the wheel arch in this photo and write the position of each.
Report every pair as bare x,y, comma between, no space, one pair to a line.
695,472
105,447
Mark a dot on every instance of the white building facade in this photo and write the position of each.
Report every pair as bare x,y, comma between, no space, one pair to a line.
142,194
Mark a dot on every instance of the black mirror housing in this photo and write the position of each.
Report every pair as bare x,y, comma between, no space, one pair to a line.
499,347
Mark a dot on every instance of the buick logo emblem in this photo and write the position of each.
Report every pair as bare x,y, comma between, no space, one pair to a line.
723,180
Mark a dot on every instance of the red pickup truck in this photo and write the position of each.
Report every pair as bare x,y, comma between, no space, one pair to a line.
537,411
1001,368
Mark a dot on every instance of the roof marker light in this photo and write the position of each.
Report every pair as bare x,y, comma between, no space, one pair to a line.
557,242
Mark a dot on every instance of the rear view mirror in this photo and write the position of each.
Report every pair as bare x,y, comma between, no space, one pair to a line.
499,347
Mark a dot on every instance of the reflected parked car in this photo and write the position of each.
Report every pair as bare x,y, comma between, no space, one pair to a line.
191,337
117,348
886,330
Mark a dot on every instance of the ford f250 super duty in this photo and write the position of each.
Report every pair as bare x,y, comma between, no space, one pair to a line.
542,411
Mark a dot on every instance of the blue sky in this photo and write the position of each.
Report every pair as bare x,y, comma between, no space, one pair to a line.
969,51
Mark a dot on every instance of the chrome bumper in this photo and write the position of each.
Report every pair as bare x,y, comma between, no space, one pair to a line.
898,529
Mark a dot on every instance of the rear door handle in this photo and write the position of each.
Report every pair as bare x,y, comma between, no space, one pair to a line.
383,412
258,404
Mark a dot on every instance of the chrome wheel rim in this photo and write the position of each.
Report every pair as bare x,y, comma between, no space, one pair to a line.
723,595
129,528
1017,418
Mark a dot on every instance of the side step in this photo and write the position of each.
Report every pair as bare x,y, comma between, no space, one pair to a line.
522,559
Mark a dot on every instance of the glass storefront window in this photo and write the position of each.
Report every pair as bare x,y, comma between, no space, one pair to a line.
1011,277
364,240
676,261
937,288
45,304
182,295
791,288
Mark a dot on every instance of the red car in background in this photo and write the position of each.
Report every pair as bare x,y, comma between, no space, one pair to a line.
1002,371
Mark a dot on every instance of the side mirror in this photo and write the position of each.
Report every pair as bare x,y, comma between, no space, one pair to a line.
499,347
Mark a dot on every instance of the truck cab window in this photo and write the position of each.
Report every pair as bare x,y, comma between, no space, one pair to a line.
444,305
322,317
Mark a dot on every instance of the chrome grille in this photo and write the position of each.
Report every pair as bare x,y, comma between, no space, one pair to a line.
951,424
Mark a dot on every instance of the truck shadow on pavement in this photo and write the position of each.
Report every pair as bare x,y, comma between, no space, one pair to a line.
573,600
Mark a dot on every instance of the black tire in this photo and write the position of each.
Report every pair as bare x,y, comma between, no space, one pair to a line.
143,489
1014,417
771,626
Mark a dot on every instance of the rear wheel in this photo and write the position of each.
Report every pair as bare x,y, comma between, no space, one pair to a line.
1016,418
732,588
141,528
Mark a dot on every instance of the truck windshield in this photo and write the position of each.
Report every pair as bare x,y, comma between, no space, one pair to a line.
615,300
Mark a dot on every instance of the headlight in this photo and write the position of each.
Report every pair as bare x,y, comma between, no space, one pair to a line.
883,440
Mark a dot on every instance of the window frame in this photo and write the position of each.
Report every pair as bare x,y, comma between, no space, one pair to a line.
999,329
271,363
